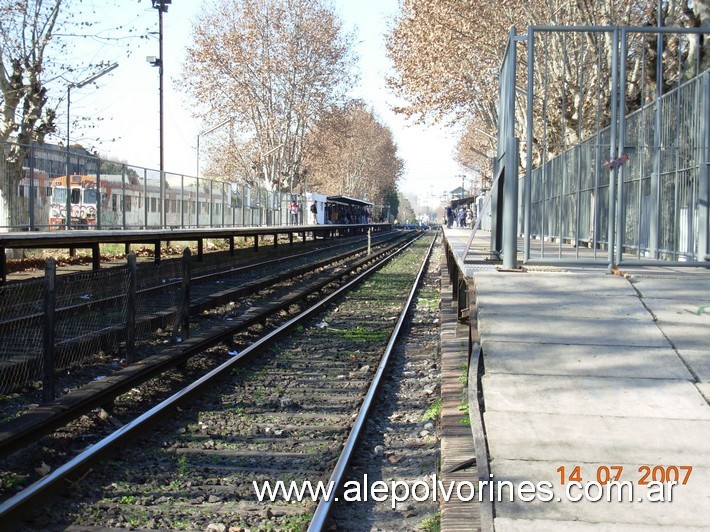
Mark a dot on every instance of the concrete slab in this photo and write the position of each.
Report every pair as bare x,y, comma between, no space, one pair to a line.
601,396
681,311
543,525
578,438
704,389
585,360
698,361
682,288
688,506
554,282
524,327
687,336
556,304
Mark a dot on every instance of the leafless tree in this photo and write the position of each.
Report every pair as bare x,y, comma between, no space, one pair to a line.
271,66
350,152
447,55
26,28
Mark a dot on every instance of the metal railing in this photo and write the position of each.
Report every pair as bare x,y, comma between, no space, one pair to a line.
603,185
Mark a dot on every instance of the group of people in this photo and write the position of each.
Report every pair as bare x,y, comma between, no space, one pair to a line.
339,214
463,217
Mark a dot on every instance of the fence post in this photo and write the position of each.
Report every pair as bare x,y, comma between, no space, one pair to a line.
131,309
48,377
32,196
183,312
703,203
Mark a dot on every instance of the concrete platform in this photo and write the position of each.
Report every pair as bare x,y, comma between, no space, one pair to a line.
583,368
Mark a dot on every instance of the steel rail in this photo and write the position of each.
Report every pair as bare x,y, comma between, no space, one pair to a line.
172,285
337,476
12,509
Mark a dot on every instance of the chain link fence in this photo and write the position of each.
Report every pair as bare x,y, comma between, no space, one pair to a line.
614,147
55,323
21,333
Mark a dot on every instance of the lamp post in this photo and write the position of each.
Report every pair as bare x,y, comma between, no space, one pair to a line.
162,7
69,88
207,132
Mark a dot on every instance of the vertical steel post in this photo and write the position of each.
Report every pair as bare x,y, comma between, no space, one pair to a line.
620,171
655,196
703,203
68,172
3,265
529,147
123,191
32,195
182,202
613,145
146,202
197,202
131,308
98,198
163,218
510,185
48,361
185,314
510,211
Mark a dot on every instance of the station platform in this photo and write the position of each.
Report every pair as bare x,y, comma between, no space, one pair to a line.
589,377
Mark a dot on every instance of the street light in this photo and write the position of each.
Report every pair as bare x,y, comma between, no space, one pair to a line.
69,88
207,132
162,7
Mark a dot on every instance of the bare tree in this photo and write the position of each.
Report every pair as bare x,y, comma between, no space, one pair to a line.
447,54
35,36
350,152
272,66
26,28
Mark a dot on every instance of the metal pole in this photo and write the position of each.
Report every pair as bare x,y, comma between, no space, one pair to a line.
31,196
48,379
98,194
123,193
69,88
621,142
68,204
613,146
160,95
131,309
704,188
529,147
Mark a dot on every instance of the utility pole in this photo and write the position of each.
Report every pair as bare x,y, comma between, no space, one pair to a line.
162,7
71,86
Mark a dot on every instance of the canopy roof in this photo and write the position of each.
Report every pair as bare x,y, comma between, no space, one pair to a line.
345,200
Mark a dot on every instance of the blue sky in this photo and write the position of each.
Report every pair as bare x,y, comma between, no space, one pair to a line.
126,100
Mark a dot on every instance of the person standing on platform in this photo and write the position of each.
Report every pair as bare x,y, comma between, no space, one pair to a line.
449,217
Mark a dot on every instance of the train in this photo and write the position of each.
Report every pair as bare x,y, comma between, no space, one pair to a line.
119,202
129,202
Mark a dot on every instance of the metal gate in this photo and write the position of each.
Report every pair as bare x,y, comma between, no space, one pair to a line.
615,152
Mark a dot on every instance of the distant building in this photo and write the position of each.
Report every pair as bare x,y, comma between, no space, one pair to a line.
457,193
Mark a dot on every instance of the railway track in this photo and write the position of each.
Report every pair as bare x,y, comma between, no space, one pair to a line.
86,317
261,300
283,411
